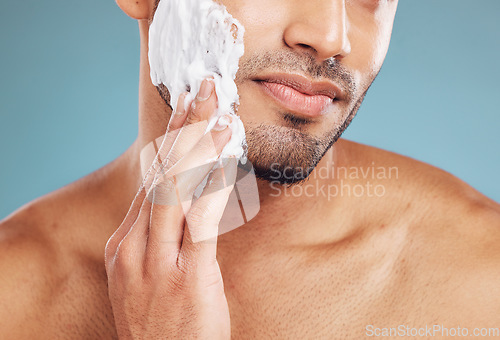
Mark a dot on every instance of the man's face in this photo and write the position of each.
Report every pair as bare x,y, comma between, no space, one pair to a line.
337,46
328,42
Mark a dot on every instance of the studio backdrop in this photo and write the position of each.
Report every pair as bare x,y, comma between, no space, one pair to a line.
69,74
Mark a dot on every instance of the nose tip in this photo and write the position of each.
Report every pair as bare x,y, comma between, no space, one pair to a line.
321,30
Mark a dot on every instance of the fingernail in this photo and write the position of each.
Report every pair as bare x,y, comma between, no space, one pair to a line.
222,123
205,90
180,105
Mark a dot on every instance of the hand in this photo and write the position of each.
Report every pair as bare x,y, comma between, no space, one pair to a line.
163,277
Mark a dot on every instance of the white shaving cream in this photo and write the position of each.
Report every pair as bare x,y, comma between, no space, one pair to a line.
190,40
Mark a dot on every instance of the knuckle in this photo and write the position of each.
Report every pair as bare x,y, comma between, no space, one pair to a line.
153,270
196,112
179,284
188,268
158,264
202,224
195,272
173,276
109,255
109,250
164,192
206,213
123,259
213,279
197,215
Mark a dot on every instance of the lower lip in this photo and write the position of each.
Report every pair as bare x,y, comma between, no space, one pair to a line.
295,101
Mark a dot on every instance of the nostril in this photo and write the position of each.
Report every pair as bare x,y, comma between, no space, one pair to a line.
306,47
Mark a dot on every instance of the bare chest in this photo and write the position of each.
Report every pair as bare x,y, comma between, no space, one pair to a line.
317,301
79,308
296,305
283,300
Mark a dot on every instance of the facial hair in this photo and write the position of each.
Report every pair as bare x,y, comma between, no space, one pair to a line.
286,154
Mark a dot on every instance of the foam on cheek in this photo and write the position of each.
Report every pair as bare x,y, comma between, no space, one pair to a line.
190,40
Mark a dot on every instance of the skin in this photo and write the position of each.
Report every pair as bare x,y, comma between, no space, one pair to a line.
83,262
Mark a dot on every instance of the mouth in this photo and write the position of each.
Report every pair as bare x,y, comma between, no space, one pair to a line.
300,95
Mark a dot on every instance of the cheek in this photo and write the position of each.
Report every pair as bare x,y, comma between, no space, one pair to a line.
381,38
369,34
262,20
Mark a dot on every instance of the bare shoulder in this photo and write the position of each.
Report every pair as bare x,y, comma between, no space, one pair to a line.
53,279
28,260
452,249
429,188
436,200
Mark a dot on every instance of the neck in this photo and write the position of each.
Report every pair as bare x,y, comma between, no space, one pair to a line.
303,215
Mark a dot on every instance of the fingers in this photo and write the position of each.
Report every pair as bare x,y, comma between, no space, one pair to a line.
204,104
200,235
177,185
173,192
187,125
169,189
177,120
193,167
152,158
195,125
154,155
132,246
129,240
207,149
165,234
125,226
190,121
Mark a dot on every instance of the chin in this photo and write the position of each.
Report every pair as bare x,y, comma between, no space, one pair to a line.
285,155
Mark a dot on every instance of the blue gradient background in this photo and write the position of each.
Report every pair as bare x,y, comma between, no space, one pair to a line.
69,82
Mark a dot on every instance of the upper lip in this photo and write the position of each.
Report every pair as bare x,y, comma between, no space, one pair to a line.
304,85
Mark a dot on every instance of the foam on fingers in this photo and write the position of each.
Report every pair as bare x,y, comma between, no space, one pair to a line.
191,40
